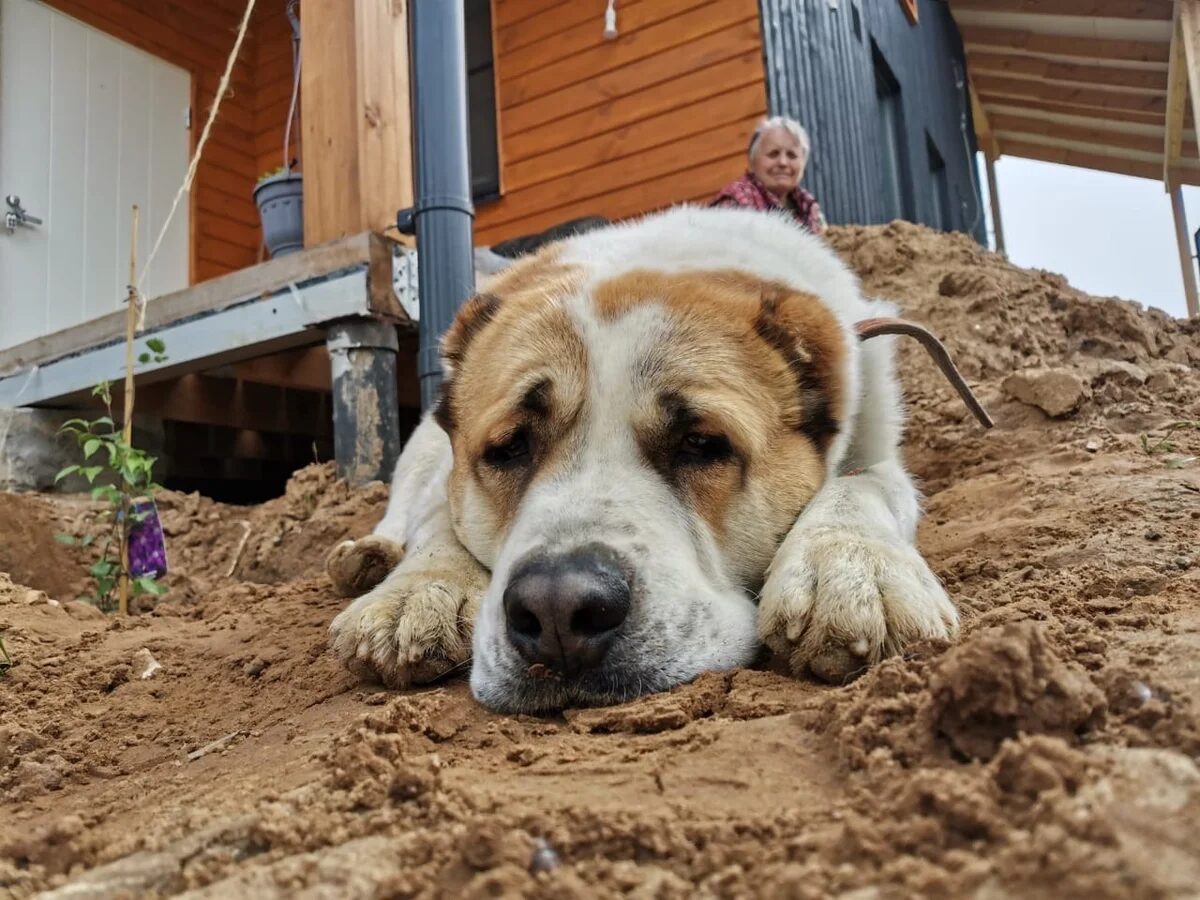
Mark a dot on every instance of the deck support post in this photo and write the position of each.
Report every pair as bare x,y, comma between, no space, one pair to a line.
366,423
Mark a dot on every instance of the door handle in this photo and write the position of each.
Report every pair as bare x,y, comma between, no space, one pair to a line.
16,216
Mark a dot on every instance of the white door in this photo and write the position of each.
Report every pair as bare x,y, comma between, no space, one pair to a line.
89,126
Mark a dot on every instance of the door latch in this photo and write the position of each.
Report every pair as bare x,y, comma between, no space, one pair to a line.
16,216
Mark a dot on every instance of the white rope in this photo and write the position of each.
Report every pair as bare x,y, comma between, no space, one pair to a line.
222,88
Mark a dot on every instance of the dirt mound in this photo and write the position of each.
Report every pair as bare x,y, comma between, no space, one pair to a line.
1051,752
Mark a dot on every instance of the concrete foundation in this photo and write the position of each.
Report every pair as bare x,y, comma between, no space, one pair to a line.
32,451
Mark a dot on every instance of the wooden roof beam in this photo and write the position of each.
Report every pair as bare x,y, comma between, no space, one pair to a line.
1089,97
975,36
1188,170
1097,134
1111,9
1069,157
1052,107
1149,81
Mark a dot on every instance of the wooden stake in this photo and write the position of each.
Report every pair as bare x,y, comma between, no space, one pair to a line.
994,199
131,317
1185,251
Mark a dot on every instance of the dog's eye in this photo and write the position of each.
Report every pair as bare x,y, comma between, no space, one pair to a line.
704,449
512,451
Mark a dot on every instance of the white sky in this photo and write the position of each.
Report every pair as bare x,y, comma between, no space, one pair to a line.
1110,235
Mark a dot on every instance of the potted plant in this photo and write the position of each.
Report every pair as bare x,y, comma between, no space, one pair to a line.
279,195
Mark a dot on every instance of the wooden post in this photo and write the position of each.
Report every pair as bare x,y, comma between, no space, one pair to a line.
1184,67
356,146
1185,251
994,200
131,318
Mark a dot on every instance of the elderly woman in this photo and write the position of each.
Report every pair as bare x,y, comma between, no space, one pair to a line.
778,153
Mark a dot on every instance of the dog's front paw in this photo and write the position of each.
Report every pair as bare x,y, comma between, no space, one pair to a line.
355,567
411,629
836,601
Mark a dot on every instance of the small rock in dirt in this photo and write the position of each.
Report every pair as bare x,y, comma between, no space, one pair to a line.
83,612
1093,445
1141,692
144,664
544,859
1152,534
255,667
1056,392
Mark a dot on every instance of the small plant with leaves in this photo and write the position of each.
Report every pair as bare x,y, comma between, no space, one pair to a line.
121,475
1163,444
155,352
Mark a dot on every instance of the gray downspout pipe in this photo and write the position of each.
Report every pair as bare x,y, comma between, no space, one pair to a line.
443,211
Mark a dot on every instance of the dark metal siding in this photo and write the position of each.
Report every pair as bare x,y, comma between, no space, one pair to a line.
823,74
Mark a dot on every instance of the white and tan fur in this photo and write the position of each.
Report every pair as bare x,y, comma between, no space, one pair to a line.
840,585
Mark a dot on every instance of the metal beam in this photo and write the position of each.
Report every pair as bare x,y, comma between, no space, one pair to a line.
279,322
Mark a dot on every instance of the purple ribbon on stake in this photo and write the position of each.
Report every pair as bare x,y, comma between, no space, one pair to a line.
147,546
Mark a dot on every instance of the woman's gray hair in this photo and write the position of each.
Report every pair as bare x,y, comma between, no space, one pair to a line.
791,126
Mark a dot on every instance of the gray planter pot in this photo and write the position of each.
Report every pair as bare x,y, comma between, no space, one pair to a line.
280,201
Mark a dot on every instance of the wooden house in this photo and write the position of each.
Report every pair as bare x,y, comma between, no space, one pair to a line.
102,103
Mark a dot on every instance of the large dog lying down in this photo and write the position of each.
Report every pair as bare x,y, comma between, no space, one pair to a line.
660,445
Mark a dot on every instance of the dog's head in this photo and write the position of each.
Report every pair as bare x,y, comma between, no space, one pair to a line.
629,452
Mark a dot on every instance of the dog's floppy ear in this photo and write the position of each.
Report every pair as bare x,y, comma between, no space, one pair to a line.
470,320
869,328
803,330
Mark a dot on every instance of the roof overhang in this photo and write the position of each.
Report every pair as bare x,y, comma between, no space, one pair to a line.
1101,84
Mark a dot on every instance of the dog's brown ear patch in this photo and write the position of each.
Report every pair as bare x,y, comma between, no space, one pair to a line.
472,318
809,338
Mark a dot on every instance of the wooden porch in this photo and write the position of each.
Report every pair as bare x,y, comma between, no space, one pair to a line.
1102,84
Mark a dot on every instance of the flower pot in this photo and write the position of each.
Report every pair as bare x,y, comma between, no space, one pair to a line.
280,201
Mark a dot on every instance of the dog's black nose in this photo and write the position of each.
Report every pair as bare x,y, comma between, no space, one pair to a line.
565,611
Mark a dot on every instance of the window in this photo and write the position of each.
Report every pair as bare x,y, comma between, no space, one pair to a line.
943,213
896,187
481,102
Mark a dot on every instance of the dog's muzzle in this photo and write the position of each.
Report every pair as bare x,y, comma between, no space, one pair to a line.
564,612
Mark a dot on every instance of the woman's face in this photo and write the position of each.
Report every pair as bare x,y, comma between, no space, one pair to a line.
778,161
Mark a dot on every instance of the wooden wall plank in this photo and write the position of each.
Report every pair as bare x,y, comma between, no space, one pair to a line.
615,128
606,56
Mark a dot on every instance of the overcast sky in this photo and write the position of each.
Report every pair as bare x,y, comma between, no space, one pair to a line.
1110,235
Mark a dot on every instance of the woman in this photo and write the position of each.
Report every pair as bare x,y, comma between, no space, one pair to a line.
778,153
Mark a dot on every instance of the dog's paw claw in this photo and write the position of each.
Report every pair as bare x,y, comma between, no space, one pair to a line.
840,602
355,567
408,630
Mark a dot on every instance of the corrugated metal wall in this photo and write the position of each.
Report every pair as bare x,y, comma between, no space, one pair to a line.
821,70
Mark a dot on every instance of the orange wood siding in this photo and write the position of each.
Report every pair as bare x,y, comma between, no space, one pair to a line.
273,90
197,36
614,128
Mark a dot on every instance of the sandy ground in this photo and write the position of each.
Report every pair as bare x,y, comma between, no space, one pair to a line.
1051,753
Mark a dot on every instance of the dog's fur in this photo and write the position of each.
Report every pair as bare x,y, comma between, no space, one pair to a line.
603,352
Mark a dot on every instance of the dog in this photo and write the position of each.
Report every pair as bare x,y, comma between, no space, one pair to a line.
660,445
